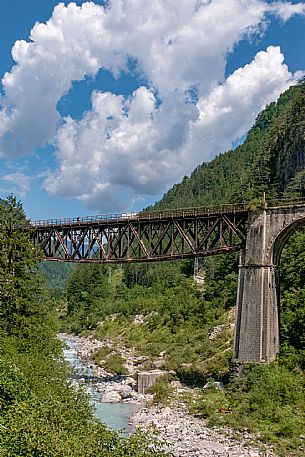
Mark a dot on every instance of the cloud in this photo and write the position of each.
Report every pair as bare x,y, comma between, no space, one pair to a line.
230,109
286,10
143,147
19,181
145,142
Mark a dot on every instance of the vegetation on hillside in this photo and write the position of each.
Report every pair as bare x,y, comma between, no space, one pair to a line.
176,316
57,277
268,161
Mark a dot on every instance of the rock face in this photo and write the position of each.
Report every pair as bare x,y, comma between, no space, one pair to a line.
147,379
215,331
215,384
158,363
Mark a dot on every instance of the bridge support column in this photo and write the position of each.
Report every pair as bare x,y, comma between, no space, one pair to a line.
257,322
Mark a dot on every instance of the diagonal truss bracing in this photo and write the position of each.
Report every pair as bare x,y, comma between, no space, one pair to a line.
144,236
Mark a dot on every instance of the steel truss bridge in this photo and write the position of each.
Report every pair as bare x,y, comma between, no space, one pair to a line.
193,232
144,236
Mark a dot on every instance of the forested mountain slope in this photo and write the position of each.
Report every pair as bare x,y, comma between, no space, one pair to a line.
271,159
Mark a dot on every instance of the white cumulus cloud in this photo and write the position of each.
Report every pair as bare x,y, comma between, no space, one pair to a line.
229,110
184,113
144,147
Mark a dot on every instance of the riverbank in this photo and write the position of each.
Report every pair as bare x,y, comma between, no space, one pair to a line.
183,434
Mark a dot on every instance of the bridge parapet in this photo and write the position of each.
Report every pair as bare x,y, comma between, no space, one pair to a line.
284,203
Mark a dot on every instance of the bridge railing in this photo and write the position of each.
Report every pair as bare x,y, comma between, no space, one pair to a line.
157,214
143,215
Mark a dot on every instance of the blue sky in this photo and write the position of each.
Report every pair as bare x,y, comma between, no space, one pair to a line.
107,107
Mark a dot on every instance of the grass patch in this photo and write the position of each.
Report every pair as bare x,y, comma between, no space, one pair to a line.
162,390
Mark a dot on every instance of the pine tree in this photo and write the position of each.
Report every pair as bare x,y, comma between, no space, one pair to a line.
23,306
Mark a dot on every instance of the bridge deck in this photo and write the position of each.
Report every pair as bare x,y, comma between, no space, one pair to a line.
149,235
144,236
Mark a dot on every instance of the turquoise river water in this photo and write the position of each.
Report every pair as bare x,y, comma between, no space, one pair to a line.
115,415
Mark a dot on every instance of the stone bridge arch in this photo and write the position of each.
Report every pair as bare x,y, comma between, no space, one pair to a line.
258,297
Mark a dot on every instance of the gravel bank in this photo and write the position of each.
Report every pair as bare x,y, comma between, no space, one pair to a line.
188,436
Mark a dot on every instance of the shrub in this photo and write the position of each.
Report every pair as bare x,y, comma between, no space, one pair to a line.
268,399
101,353
162,389
115,364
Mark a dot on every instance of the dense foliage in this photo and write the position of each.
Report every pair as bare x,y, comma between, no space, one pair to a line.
293,301
40,414
57,277
268,401
20,286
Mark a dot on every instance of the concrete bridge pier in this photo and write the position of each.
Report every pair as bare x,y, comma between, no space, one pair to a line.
257,322
258,298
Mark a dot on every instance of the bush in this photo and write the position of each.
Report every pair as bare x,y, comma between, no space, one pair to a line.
162,389
115,364
101,353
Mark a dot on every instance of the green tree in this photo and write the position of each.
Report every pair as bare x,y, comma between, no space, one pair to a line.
22,297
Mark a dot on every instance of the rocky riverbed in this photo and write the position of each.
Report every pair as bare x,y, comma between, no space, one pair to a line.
112,388
183,435
187,436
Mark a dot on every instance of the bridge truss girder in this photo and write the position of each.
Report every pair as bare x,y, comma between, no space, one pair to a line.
143,239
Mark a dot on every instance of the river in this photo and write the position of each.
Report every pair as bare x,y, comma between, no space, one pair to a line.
181,432
115,415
